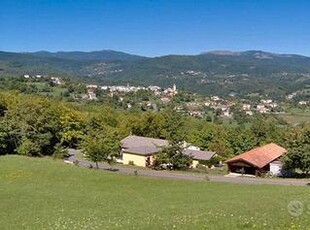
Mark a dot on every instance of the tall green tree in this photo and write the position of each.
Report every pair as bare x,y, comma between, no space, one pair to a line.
298,154
173,129
241,139
173,155
298,158
101,146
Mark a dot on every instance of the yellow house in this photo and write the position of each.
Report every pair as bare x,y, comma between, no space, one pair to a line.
198,155
141,151
136,159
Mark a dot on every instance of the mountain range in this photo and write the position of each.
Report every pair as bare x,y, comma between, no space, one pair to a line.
215,72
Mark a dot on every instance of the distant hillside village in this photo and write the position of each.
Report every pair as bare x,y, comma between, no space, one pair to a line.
165,95
184,102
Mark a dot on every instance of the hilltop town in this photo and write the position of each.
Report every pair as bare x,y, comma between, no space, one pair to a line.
153,98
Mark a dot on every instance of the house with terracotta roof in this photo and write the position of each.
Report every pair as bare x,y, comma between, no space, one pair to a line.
260,160
141,151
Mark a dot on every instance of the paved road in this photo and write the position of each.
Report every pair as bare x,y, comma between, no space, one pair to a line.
185,176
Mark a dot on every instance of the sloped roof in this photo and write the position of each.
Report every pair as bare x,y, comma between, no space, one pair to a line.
147,146
142,145
199,155
142,150
260,156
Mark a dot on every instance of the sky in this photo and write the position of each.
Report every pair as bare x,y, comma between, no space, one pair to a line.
155,27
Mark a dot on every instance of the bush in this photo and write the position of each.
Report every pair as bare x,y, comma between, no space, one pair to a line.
60,152
28,148
201,167
213,161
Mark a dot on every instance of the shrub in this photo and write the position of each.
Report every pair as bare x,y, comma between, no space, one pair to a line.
28,148
60,152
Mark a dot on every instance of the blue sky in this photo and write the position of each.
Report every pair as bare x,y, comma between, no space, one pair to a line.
155,27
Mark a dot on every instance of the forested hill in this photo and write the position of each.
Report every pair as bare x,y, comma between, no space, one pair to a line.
218,72
102,55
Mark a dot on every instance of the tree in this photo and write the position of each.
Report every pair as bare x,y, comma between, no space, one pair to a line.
28,148
4,139
211,137
3,108
173,129
298,154
148,125
239,114
298,158
174,156
101,147
60,152
266,130
203,136
71,126
31,123
241,139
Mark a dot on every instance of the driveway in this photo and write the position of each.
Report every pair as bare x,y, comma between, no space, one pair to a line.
131,170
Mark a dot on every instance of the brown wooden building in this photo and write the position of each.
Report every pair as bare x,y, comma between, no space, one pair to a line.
256,161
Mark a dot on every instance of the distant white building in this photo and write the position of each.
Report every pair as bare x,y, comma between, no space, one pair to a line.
171,91
268,101
303,102
250,113
291,96
215,98
246,107
154,88
91,86
227,113
92,96
56,80
261,108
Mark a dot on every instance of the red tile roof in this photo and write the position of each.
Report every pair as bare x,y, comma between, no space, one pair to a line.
260,156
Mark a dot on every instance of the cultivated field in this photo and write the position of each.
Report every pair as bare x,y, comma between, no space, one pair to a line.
296,116
46,194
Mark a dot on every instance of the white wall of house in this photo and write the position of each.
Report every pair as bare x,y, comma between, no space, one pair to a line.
275,168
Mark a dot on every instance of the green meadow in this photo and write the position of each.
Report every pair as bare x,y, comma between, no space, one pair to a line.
41,193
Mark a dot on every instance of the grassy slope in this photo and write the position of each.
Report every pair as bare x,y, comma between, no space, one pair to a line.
46,194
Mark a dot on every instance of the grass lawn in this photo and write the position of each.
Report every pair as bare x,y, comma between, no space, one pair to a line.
46,194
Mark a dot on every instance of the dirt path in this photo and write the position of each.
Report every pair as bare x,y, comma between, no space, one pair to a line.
184,175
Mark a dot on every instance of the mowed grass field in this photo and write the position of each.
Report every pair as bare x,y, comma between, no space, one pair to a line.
47,194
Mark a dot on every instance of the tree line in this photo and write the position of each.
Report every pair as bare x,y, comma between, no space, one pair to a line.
39,126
